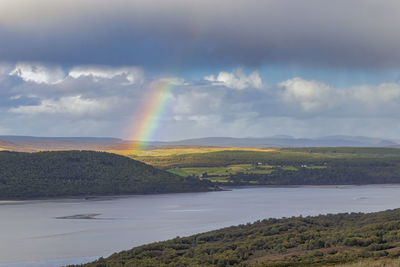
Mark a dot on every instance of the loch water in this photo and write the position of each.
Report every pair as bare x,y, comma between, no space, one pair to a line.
68,231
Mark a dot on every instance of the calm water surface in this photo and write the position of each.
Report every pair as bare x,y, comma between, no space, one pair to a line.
31,235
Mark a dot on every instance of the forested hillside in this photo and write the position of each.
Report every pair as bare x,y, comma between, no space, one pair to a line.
284,156
299,166
71,173
298,241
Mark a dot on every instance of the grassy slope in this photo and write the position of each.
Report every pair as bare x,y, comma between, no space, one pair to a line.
283,156
165,151
297,241
285,166
221,171
67,173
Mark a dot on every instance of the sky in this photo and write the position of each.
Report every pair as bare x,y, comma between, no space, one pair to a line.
239,68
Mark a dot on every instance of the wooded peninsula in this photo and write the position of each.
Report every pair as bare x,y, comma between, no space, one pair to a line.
82,173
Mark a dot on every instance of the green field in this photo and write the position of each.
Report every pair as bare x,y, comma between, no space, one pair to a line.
224,174
221,171
288,166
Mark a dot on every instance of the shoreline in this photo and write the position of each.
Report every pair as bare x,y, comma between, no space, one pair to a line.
305,186
111,196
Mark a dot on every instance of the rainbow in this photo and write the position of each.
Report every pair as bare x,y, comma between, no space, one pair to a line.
148,119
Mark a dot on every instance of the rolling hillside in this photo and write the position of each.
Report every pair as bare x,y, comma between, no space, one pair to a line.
323,240
71,173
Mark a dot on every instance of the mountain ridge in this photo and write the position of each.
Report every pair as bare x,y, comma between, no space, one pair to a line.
325,141
33,144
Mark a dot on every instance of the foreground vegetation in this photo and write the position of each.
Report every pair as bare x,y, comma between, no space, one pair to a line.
297,241
298,166
71,173
376,262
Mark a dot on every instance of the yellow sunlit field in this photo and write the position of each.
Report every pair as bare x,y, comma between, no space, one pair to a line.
169,151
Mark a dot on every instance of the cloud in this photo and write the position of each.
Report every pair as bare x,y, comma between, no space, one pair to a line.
177,33
311,95
316,98
71,105
38,73
132,75
237,80
90,103
193,102
174,81
5,69
384,94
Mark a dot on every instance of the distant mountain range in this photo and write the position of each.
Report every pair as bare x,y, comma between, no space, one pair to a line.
287,141
32,143
20,138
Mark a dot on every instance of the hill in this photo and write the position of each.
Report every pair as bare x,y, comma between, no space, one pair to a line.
22,138
120,146
72,173
36,144
6,145
298,241
287,166
286,141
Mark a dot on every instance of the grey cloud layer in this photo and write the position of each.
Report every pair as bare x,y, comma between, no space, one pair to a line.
176,33
104,101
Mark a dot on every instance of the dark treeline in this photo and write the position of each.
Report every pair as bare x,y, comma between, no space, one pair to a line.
297,241
355,171
71,173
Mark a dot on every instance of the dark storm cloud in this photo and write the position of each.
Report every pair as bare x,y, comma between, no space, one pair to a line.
176,33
